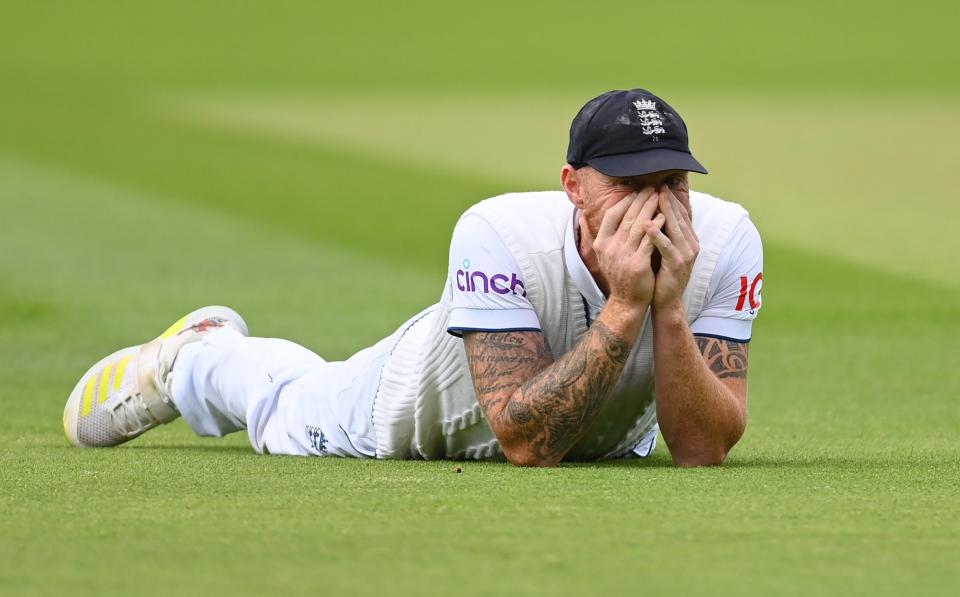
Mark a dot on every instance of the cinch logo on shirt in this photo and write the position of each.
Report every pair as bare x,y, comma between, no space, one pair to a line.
478,281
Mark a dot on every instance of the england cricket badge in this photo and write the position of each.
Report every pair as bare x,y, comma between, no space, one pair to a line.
650,121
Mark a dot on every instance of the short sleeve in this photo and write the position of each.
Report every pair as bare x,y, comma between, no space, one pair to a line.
485,282
733,298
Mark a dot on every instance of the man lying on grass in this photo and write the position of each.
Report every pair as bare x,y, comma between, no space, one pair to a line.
573,325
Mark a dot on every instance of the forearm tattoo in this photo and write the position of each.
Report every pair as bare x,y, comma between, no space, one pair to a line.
726,358
556,402
499,360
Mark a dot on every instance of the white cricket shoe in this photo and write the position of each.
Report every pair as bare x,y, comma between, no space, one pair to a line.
128,393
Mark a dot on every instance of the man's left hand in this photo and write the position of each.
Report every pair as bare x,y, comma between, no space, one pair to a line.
678,245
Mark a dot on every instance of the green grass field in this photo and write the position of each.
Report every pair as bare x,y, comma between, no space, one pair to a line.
305,164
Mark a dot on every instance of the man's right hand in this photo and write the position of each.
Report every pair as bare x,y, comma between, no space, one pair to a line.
624,250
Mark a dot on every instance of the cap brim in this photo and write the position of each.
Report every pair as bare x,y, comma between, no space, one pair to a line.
645,162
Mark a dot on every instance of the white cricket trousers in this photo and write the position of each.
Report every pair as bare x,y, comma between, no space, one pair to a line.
287,397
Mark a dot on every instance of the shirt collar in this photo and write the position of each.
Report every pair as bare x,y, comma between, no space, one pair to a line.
582,278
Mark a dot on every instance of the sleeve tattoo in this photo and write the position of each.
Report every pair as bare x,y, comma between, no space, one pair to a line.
548,404
726,358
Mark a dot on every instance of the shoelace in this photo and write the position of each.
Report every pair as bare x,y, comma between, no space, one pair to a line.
128,412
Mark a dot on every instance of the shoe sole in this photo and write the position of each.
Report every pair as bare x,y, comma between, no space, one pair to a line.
71,412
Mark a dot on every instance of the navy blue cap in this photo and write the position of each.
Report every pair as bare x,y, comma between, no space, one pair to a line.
630,133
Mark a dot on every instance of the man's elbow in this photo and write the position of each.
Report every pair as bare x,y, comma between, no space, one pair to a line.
709,450
703,457
523,455
701,453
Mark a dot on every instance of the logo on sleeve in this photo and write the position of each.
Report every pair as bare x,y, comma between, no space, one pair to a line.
479,281
750,290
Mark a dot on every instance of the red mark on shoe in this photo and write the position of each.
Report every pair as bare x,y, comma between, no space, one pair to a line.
207,325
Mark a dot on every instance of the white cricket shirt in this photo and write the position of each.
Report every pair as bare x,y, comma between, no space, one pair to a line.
489,293
514,265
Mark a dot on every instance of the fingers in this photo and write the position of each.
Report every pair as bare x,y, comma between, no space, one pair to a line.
611,220
686,227
665,239
686,220
683,216
631,216
645,246
659,239
679,226
677,242
659,221
641,201
637,231
668,206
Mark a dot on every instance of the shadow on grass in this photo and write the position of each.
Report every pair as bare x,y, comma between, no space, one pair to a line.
764,461
218,448
660,460
185,447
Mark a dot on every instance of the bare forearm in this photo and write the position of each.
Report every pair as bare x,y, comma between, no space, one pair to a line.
542,418
700,417
555,408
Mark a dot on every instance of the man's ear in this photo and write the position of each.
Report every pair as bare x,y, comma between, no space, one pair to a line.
572,181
